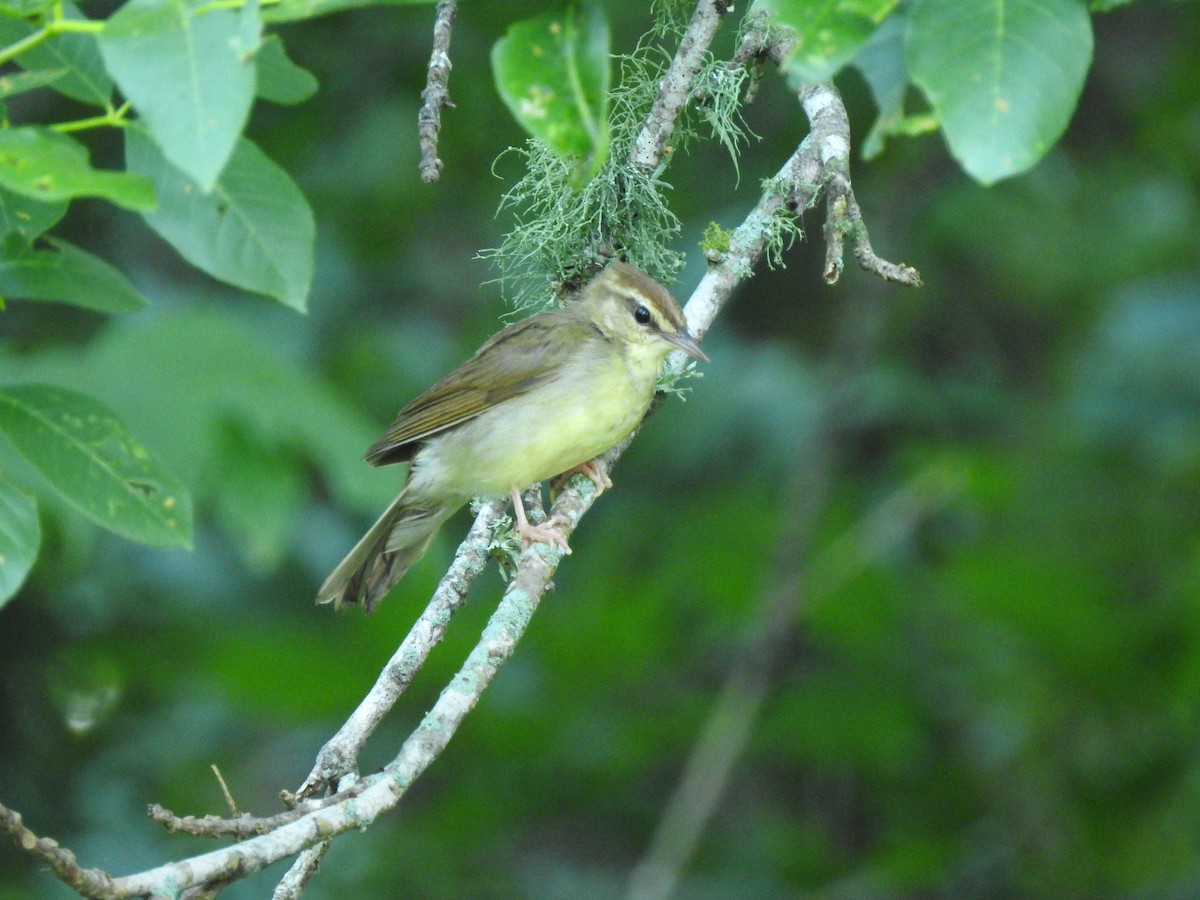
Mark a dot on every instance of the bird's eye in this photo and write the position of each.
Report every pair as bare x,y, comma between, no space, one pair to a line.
641,315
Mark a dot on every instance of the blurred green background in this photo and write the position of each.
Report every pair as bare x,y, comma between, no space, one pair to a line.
990,692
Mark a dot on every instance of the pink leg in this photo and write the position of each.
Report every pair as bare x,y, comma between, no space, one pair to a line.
542,534
593,469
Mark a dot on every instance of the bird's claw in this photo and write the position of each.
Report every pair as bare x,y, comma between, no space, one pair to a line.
545,533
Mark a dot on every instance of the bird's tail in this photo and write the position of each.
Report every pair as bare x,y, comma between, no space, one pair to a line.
397,540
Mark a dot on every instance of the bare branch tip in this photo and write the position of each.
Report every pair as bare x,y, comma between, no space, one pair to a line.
62,862
436,95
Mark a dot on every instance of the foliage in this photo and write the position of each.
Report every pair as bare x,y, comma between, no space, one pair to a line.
998,702
189,74
83,451
552,72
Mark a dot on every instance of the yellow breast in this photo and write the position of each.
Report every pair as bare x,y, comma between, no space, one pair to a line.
598,399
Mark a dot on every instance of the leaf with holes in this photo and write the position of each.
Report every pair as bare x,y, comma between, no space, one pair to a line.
552,71
25,217
48,166
86,454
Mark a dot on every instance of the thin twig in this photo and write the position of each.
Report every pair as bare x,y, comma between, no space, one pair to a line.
89,882
828,118
293,883
233,810
676,86
843,217
242,825
436,95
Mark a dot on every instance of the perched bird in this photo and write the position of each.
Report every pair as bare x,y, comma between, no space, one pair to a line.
541,397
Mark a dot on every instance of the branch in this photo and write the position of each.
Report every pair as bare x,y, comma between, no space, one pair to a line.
244,825
794,189
436,95
292,884
381,792
61,861
830,126
340,754
843,216
676,87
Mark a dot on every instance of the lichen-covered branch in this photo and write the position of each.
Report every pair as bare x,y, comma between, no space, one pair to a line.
340,753
675,88
382,791
843,218
296,879
61,861
436,95
830,129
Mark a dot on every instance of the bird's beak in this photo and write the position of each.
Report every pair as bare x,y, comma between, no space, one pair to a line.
685,342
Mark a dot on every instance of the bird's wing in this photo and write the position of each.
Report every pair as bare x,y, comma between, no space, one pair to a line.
515,360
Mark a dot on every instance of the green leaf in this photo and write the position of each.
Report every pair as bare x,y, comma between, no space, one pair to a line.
279,79
23,9
1003,76
20,535
553,71
254,230
26,217
68,275
86,79
158,372
43,164
183,68
294,10
87,455
13,83
828,32
881,61
250,29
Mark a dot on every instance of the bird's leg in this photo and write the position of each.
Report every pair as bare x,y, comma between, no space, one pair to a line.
543,533
593,469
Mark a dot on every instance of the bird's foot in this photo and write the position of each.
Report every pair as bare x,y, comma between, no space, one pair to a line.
543,533
594,469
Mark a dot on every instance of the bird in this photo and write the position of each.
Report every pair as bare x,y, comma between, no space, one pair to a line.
544,396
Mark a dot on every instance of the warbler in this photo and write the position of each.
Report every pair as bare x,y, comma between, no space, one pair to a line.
543,396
